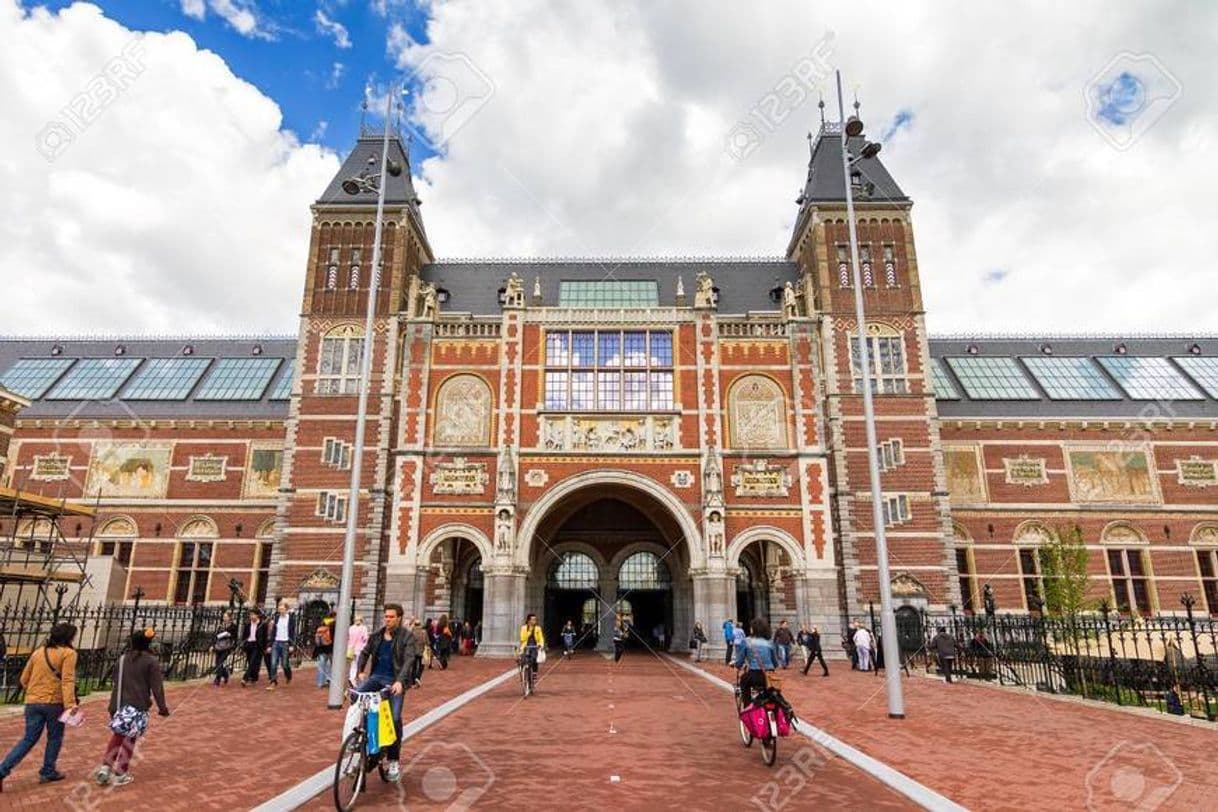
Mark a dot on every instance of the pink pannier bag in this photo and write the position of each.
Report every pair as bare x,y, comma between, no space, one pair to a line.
755,721
782,722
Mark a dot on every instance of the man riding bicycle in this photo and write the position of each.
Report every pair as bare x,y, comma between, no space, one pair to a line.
387,661
531,640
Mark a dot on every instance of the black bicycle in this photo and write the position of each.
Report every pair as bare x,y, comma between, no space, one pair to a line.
765,700
354,760
527,678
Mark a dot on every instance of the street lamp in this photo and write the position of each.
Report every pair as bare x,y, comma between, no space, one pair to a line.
888,621
352,186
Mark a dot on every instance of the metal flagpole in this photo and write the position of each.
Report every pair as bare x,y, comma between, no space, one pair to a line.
342,621
888,620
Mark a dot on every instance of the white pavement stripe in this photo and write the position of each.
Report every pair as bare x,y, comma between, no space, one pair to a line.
920,794
321,781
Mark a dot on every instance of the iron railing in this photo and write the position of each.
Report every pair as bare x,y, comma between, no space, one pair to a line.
1168,662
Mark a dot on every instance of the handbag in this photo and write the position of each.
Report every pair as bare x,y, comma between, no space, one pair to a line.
541,655
128,721
386,734
374,728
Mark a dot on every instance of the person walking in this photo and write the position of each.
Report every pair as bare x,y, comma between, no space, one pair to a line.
864,646
443,641
848,644
620,633
568,638
222,645
386,662
429,654
738,637
357,638
420,641
323,648
282,639
698,638
729,635
255,644
137,683
945,649
811,643
467,639
782,641
49,680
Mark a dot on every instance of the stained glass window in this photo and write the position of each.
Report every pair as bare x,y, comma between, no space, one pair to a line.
94,378
31,377
238,379
166,379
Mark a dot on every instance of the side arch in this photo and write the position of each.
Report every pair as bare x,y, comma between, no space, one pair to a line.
458,530
766,533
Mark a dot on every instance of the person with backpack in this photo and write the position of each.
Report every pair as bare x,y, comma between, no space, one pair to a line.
49,680
137,683
443,641
222,645
323,648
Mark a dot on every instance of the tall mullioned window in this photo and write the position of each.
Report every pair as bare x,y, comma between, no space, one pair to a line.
608,370
194,567
1130,582
338,370
886,357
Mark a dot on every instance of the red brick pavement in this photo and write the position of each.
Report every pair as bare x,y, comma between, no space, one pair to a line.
669,736
223,748
988,748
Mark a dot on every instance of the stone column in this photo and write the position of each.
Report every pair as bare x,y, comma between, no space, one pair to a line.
503,609
714,602
607,589
817,597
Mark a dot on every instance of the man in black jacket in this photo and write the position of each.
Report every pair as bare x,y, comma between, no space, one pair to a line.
812,642
387,661
945,647
253,642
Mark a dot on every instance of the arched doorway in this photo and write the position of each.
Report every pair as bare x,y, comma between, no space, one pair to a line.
571,594
454,581
469,587
746,604
645,582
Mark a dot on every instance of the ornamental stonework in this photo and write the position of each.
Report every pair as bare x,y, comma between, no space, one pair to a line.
207,468
459,477
682,479
463,412
761,478
1195,472
51,467
536,478
619,434
1025,470
758,413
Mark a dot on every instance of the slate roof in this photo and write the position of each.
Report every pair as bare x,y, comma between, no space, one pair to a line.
365,157
1123,406
277,347
744,284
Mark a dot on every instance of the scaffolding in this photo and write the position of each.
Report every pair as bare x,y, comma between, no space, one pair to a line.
39,564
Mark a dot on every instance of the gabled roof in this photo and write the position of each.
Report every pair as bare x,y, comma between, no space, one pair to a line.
744,284
365,158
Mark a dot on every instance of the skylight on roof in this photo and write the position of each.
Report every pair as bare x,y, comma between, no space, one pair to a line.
94,379
1202,370
609,293
992,378
238,379
1149,378
166,379
31,377
944,389
283,389
1065,378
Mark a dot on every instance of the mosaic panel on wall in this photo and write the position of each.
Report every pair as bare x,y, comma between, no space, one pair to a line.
1111,476
128,469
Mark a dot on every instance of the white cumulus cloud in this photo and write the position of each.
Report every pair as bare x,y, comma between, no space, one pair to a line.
332,28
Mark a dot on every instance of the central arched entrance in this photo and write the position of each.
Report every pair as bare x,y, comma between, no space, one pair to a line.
605,549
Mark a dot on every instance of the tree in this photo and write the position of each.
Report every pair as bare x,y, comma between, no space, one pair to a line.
1063,567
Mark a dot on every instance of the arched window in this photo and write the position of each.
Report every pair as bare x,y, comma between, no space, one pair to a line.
644,570
193,570
574,571
117,538
338,368
1129,569
758,414
463,412
886,357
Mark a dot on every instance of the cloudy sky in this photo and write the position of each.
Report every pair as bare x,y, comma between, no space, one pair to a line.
158,157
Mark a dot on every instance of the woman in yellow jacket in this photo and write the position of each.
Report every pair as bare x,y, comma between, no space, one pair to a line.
49,679
532,639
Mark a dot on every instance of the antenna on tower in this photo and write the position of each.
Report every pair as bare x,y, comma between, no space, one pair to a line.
856,100
363,111
821,104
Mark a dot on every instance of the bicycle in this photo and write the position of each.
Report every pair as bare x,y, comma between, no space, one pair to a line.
526,674
354,760
769,742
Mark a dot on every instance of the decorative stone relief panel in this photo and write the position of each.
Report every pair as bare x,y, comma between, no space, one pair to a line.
757,407
1025,470
1111,476
207,468
1195,472
536,478
761,478
51,467
579,433
965,482
682,479
463,412
459,476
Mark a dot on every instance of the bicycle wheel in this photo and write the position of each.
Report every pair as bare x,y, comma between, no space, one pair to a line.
349,771
746,736
769,750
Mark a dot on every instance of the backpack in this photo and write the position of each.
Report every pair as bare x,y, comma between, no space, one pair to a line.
324,636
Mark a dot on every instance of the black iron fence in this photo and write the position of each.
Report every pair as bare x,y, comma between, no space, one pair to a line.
1169,663
183,641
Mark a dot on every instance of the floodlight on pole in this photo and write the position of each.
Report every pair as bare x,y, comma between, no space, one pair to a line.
853,127
342,621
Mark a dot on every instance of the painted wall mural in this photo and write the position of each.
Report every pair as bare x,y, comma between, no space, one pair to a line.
264,472
1111,476
965,482
128,469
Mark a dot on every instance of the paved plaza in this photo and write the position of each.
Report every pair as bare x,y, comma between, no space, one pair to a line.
645,732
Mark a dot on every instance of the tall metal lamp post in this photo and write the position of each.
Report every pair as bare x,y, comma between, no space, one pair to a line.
353,186
888,620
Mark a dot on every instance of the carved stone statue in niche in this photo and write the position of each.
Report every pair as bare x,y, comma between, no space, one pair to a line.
790,308
714,533
506,487
513,292
503,531
704,294
712,480
428,307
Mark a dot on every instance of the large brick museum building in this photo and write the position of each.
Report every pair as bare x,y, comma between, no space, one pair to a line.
684,436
